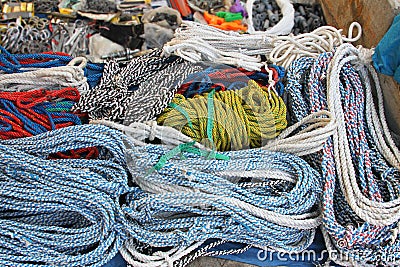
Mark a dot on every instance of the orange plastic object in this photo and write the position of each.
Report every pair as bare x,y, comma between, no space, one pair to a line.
231,26
213,19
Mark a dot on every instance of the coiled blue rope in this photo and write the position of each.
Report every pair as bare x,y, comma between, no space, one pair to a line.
172,216
10,63
75,212
61,212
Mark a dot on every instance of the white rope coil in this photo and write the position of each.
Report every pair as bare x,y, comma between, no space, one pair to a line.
319,126
49,78
323,39
371,211
197,42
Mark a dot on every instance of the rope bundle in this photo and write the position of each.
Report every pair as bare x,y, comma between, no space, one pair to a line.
360,157
74,212
61,212
252,198
222,78
136,92
15,63
196,42
239,119
323,39
24,114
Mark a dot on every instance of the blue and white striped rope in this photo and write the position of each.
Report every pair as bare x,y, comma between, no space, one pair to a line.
61,212
75,212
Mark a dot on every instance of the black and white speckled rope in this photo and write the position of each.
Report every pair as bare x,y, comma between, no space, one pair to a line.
154,95
210,250
112,96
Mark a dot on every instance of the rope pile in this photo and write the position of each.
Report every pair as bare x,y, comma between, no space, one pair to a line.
75,195
74,212
126,90
360,163
196,42
23,114
222,78
253,198
232,120
61,212
323,39
18,63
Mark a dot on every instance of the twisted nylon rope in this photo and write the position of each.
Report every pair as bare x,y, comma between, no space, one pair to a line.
69,213
176,257
61,212
15,63
219,203
239,119
196,42
361,216
24,114
302,138
323,39
65,76
136,92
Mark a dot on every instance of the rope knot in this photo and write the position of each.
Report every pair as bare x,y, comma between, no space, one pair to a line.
365,55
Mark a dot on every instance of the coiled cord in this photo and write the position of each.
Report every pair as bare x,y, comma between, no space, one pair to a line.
231,120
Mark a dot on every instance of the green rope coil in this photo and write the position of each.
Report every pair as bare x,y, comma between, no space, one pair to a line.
240,118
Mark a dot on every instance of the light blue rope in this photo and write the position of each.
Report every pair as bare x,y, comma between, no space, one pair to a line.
75,212
175,218
61,212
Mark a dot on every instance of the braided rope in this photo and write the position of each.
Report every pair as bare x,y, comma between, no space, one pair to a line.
241,118
65,76
61,212
45,197
196,42
361,216
12,63
323,39
136,92
316,128
174,194
24,114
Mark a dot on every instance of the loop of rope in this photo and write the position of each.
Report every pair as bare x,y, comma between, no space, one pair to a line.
24,114
323,39
192,184
138,91
13,63
68,76
61,212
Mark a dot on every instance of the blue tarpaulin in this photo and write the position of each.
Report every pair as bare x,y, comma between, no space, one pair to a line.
387,53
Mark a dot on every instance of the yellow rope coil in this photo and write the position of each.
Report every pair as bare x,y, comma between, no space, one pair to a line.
242,118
